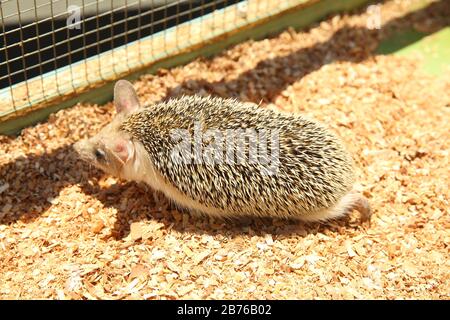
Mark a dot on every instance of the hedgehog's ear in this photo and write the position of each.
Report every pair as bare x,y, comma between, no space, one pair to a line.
125,98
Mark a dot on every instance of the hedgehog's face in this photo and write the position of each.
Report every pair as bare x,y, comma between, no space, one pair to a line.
109,150
112,148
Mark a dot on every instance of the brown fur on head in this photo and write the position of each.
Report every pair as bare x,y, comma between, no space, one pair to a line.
111,148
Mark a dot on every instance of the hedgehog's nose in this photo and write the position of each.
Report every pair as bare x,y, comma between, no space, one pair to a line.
77,146
80,148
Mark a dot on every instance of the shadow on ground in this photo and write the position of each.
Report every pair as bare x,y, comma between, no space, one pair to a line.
352,44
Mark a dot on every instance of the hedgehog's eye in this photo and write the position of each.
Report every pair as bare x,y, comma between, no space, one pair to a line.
99,154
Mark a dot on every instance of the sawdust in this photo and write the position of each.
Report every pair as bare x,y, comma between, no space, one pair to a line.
67,231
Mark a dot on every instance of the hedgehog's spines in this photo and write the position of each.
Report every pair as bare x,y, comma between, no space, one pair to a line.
314,171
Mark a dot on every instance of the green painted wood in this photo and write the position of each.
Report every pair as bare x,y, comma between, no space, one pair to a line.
296,18
399,41
433,48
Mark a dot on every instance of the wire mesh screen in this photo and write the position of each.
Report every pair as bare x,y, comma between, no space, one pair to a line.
53,49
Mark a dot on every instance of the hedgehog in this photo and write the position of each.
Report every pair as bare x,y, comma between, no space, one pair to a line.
226,158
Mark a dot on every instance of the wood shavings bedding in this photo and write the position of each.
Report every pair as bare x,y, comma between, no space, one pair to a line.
69,232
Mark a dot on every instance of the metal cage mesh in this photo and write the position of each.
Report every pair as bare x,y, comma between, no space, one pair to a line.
53,49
